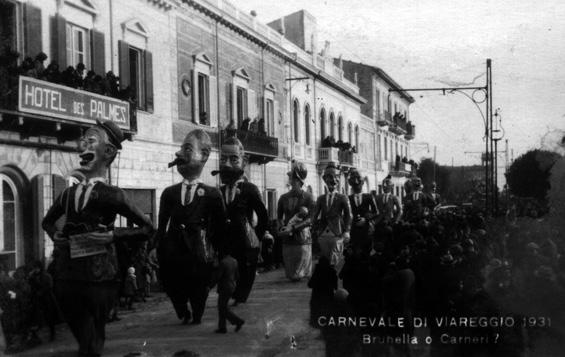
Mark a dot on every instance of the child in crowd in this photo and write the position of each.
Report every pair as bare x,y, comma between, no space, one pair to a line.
130,287
293,226
226,277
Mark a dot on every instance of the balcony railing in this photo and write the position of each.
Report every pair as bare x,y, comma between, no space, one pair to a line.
348,158
327,155
399,168
260,148
398,125
337,156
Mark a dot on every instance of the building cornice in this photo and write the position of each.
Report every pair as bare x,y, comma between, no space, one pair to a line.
229,21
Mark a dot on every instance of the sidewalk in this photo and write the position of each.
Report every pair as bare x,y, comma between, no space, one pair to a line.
276,310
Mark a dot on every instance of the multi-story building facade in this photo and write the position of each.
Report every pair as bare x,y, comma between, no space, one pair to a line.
181,65
389,111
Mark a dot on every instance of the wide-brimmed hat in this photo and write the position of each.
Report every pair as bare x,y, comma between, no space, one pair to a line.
298,171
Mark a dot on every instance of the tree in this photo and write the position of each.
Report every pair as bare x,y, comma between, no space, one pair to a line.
528,176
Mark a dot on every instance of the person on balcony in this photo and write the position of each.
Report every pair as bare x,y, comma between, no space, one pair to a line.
297,244
332,216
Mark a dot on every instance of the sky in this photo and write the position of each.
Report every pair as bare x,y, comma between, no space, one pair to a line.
439,43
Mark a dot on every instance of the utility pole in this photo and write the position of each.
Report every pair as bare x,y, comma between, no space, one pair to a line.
435,152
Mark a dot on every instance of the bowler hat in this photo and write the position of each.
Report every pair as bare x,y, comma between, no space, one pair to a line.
298,171
115,134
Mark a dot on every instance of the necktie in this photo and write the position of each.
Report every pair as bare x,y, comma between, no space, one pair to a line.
81,197
358,200
330,199
187,195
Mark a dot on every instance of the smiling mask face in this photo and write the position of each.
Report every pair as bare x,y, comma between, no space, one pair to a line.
96,153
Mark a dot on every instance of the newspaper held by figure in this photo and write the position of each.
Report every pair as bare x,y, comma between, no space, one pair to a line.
83,246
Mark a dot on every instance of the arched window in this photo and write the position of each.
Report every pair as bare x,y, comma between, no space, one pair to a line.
323,123
332,125
296,121
357,137
350,133
340,128
307,124
386,148
9,223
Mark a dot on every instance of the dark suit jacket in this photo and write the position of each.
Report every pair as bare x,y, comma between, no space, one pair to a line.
367,205
104,204
337,217
414,208
240,211
181,228
389,210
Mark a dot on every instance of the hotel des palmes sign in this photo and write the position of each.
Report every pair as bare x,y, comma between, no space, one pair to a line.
54,100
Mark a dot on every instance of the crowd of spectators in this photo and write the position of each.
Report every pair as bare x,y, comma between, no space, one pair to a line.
451,264
75,77
28,301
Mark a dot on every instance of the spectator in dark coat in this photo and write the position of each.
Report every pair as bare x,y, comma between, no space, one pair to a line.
43,298
226,277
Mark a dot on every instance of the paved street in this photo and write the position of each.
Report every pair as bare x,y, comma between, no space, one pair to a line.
276,307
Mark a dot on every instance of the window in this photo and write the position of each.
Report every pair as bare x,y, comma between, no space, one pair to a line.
357,137
323,124
9,223
307,124
379,148
241,105
350,133
136,75
386,149
270,116
340,128
8,27
78,45
378,101
203,99
332,125
295,121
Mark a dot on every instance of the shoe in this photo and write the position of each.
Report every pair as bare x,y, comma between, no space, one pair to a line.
196,322
239,325
221,330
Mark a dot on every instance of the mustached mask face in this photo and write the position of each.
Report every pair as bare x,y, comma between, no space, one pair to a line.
231,164
331,178
190,157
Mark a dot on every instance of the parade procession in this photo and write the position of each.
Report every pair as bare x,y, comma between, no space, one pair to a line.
198,178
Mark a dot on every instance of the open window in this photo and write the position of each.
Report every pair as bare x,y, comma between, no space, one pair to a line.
270,111
136,65
204,91
244,103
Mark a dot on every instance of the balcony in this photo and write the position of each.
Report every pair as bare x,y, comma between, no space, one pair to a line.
398,125
410,131
339,157
259,147
384,118
36,107
399,168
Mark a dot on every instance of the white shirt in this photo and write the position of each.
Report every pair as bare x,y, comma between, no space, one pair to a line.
231,191
185,184
358,199
88,186
415,195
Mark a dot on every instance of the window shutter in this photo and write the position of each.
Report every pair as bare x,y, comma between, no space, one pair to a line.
32,30
59,41
276,117
252,104
123,50
98,57
149,82
213,102
185,76
230,107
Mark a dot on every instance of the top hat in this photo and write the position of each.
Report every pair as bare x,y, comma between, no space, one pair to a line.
115,134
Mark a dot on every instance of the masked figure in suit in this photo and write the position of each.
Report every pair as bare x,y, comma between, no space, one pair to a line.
194,215
364,212
242,199
388,205
416,203
332,216
85,264
434,198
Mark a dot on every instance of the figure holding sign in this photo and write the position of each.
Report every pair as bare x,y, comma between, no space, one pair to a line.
86,265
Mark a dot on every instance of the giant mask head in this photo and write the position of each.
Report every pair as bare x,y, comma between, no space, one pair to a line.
387,185
331,177
297,175
355,181
98,148
416,184
232,161
193,154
